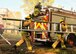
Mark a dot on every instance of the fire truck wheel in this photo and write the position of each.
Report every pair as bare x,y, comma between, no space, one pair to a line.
71,39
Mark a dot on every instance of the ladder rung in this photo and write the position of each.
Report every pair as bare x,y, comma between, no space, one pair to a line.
71,28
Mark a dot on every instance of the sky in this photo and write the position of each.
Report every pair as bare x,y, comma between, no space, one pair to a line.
11,4
66,4
14,5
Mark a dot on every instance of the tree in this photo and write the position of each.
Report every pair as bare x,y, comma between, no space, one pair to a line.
30,4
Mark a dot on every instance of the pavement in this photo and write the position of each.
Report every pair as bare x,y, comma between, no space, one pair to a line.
39,48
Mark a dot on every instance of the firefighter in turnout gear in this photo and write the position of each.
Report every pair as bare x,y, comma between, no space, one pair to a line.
60,27
25,24
25,38
37,11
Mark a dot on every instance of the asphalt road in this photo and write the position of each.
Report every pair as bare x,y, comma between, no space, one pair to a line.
38,48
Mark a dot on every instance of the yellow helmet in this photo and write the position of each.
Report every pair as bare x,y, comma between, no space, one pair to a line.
28,17
61,20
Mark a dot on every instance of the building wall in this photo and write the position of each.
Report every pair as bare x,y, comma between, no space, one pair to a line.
5,13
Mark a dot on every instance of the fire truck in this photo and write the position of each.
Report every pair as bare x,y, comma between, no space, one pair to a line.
43,27
47,25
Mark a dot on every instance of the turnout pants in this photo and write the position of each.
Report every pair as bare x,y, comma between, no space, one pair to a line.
25,39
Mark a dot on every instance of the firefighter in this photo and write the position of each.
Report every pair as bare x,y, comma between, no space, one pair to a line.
24,34
38,6
37,10
25,24
60,27
1,30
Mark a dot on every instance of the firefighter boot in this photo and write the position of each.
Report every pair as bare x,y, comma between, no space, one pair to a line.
15,47
63,45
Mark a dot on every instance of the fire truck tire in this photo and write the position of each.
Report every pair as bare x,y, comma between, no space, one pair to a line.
71,39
